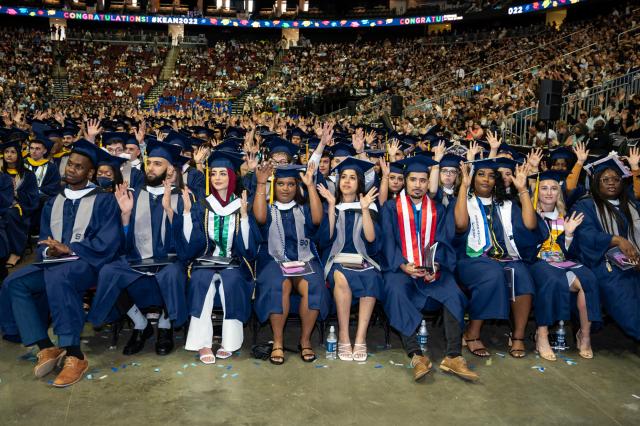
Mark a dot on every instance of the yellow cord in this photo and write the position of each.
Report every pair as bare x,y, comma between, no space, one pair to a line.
273,184
535,193
206,176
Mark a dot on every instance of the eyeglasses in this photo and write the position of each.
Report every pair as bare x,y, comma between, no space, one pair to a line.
612,179
449,172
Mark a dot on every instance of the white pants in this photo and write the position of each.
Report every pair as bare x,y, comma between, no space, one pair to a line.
201,328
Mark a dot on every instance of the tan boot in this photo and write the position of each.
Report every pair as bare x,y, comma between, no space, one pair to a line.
458,366
72,372
421,366
47,360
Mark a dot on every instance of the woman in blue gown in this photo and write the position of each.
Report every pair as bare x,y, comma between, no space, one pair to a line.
225,232
561,284
495,236
287,227
611,222
25,203
351,228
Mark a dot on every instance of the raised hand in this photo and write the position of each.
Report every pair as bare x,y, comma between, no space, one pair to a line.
493,140
357,140
465,174
327,134
243,205
572,222
140,132
326,194
581,152
367,200
438,151
166,198
394,147
473,150
534,158
263,172
384,167
186,200
124,198
201,154
93,129
252,160
633,158
370,137
307,177
520,177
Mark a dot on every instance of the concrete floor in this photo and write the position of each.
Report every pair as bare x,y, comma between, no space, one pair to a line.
147,389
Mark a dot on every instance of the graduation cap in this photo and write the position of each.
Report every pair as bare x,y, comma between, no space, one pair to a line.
230,145
342,150
165,128
610,161
562,153
266,133
53,133
16,134
506,149
201,130
70,131
13,143
169,152
297,131
131,140
488,163
360,166
225,159
89,150
451,160
109,138
396,167
507,163
39,127
557,175
277,144
48,143
178,139
289,170
419,164
104,158
376,153
237,132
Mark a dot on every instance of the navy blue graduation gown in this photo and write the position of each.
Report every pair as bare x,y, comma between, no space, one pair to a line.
19,219
50,185
269,275
168,286
444,198
553,299
137,179
65,283
484,278
196,182
404,297
238,282
6,201
365,283
619,290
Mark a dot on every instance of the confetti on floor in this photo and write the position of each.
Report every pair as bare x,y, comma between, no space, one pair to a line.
89,376
224,376
635,396
234,375
179,373
378,366
103,377
157,370
500,354
114,369
489,362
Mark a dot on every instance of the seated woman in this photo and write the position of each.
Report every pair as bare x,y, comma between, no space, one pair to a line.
226,234
350,228
108,175
25,201
612,223
287,227
494,236
449,179
392,181
561,284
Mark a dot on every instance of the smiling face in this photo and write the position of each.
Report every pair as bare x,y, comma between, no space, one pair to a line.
484,181
219,179
610,184
548,193
507,176
348,182
285,189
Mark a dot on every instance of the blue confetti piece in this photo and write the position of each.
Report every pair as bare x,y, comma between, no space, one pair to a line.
319,366
157,370
50,382
238,353
568,361
378,366
123,366
234,375
114,369
229,367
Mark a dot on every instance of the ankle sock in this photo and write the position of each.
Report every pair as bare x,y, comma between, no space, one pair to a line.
139,320
44,343
75,352
164,321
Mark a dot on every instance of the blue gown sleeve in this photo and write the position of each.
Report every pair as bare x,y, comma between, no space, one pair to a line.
251,252
137,179
27,194
375,247
196,183
45,224
445,232
527,241
188,250
392,254
590,241
51,182
6,192
324,240
102,237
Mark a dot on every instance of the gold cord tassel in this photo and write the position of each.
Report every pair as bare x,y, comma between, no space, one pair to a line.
306,150
273,184
206,176
535,193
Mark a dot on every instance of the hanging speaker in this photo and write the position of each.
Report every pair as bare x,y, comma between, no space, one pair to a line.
396,105
549,100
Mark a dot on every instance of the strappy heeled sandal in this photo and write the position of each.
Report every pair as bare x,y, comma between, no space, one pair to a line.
345,352
360,352
514,352
478,351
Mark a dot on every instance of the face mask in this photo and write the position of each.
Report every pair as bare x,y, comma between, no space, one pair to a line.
104,182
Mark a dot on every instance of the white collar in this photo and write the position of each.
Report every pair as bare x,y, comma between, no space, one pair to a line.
355,206
185,167
281,206
486,200
217,208
136,163
155,190
551,215
615,202
79,193
448,191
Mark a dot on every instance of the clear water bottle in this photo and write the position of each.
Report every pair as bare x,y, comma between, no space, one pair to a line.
332,344
561,337
423,336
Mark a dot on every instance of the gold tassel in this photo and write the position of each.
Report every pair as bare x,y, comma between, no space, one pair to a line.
206,176
386,147
307,151
535,193
273,184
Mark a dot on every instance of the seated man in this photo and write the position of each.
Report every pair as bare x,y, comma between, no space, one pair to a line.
79,234
412,224
46,172
158,220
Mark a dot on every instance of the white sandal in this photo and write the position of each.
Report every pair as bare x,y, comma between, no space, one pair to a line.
344,352
360,352
207,358
223,354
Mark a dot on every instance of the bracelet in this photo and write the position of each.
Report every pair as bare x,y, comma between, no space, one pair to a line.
261,193
523,192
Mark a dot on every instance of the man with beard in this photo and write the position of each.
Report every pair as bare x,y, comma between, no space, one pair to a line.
79,234
157,220
413,224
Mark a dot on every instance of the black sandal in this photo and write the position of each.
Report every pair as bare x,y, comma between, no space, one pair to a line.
476,352
513,351
304,357
277,360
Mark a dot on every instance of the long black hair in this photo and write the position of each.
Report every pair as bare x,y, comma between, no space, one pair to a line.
607,210
359,190
19,162
300,197
499,191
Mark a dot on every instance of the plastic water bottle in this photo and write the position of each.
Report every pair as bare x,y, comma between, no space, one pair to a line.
423,336
561,337
332,344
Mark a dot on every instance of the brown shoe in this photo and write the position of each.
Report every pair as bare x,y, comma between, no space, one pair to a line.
47,360
421,366
458,366
72,372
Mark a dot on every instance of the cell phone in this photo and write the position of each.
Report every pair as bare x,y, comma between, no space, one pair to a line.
420,268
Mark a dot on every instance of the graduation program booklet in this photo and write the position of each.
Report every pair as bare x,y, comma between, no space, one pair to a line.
510,279
353,261
50,260
154,261
616,257
430,257
215,262
295,268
